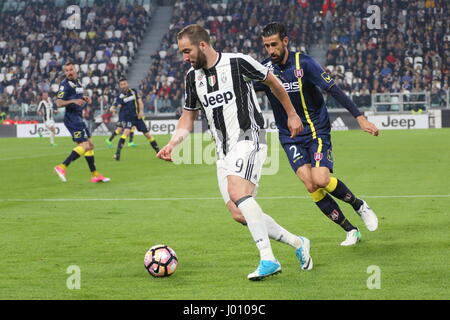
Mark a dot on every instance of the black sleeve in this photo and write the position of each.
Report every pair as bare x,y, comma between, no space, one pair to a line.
191,99
344,100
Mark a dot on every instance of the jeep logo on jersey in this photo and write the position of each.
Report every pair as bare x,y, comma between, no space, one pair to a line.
217,99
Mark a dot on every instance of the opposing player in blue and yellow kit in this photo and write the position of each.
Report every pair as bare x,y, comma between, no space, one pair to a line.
130,103
71,96
120,126
310,153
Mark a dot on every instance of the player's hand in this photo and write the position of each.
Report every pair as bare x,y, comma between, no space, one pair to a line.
295,125
87,99
166,153
368,126
79,102
141,115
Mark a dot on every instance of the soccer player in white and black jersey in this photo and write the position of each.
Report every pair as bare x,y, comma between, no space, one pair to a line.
221,85
46,110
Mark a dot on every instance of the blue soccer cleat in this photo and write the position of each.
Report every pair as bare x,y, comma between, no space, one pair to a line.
266,268
302,254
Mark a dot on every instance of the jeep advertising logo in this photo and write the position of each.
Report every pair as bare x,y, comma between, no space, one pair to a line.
217,99
397,121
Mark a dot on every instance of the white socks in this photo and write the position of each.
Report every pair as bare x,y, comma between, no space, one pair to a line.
257,226
52,137
278,233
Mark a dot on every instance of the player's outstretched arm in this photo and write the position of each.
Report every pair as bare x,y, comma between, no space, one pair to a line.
295,125
184,128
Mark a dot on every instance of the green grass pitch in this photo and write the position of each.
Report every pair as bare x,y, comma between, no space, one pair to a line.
107,239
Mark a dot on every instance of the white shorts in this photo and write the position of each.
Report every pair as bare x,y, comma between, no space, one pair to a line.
244,161
50,123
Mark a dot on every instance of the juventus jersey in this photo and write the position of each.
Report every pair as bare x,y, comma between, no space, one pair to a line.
226,95
46,107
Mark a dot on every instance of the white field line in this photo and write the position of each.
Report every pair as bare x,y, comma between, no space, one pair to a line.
216,198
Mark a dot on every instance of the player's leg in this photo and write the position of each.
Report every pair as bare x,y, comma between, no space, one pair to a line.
78,136
152,141
90,159
123,138
116,132
280,234
52,130
340,191
240,191
323,179
131,138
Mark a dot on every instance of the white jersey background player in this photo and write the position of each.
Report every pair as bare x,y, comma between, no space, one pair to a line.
45,109
221,85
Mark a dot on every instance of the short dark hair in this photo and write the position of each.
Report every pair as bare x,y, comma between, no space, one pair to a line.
69,63
274,28
123,79
195,34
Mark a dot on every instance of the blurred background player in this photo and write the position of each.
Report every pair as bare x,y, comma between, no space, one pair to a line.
70,96
310,153
130,103
119,127
221,84
45,109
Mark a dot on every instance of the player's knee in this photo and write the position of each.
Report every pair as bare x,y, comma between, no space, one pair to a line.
311,187
322,181
236,214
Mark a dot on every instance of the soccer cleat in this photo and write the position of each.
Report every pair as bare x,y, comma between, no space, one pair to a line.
99,178
132,144
108,143
265,269
61,173
302,254
353,236
368,216
116,156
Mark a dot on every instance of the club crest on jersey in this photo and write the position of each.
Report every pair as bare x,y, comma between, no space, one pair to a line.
212,81
318,156
298,73
223,77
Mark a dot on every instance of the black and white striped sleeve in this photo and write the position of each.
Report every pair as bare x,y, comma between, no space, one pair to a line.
190,95
40,107
252,69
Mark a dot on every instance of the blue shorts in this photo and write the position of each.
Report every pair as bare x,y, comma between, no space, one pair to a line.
140,125
80,133
124,124
317,152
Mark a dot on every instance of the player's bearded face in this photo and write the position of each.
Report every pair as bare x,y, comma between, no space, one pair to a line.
70,72
200,62
192,53
276,48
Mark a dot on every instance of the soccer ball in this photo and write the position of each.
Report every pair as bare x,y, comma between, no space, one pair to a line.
160,261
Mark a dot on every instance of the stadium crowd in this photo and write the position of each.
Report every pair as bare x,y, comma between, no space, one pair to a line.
234,26
410,52
392,58
34,45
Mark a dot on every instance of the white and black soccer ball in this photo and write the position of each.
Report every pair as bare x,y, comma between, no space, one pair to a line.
160,261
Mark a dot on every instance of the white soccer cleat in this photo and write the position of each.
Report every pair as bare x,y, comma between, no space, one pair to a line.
302,254
368,216
353,236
